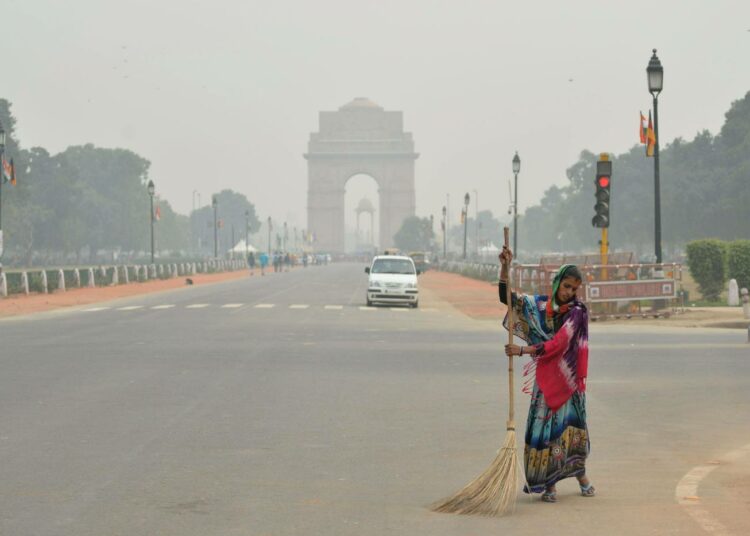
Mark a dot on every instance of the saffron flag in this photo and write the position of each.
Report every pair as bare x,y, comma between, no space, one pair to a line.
643,130
650,137
157,213
9,173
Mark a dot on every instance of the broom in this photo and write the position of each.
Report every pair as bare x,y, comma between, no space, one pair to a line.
494,491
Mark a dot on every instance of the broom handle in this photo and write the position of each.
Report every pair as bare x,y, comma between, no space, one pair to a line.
511,425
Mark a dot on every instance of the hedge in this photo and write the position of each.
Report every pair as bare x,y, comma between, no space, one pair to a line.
738,262
707,263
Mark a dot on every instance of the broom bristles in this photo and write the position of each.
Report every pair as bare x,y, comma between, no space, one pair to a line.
493,493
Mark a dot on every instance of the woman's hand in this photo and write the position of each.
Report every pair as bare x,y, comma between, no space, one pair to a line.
506,256
512,349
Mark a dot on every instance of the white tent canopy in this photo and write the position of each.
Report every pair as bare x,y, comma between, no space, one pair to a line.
240,248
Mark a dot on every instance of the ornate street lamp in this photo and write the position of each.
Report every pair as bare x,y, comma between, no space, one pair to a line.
466,219
151,190
445,232
2,153
215,204
516,171
655,76
247,230
270,226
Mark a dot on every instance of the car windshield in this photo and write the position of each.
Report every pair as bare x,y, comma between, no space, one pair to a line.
392,266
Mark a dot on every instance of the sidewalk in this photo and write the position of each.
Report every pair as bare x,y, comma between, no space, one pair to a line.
479,300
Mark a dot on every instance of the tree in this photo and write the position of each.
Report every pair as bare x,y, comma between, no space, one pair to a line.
415,234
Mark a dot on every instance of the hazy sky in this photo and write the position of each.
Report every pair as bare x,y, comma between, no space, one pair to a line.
224,94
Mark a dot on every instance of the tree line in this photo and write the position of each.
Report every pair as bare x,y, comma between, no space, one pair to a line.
90,204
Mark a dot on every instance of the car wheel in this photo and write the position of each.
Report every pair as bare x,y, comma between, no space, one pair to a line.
369,303
415,304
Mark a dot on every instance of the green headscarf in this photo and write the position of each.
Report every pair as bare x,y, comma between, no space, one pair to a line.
556,283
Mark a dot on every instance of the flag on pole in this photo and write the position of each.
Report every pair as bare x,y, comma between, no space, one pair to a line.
9,172
157,213
643,130
650,137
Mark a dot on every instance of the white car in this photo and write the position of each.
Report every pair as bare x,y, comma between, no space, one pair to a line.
393,279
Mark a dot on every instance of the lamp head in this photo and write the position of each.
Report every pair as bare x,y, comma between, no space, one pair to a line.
151,188
466,198
655,74
214,201
516,163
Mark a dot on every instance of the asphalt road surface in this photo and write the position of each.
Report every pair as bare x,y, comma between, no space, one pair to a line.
280,405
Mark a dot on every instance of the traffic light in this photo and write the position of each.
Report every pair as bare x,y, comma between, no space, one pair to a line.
603,183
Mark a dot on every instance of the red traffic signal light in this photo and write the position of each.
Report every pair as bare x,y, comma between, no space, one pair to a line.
602,182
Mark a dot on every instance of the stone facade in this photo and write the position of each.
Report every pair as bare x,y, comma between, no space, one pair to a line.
360,138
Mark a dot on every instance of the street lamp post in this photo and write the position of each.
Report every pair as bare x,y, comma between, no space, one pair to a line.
151,190
2,155
516,170
247,230
269,235
655,75
445,234
215,204
466,219
476,222
432,234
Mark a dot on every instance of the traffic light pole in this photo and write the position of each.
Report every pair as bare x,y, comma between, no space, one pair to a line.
604,251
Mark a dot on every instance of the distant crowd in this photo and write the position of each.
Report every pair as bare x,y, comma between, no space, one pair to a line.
283,261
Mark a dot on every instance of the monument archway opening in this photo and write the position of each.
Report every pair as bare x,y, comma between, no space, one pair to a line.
361,214
359,138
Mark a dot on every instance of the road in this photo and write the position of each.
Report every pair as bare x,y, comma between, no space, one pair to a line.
281,406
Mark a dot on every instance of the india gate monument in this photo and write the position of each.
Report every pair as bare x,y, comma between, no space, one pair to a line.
359,138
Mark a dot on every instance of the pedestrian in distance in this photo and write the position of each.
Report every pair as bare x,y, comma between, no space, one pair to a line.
263,263
251,262
555,329
287,261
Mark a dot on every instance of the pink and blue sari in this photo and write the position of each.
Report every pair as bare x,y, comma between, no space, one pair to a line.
556,439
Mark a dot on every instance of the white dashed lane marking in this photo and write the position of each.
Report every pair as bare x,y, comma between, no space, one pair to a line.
300,306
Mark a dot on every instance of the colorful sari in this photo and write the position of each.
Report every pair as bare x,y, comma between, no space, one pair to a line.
556,439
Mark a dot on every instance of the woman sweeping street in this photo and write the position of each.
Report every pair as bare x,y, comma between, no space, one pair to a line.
556,330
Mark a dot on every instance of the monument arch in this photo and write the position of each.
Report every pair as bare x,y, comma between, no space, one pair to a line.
360,138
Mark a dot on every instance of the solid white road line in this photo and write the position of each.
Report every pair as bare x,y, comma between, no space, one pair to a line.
162,306
197,306
365,308
130,308
334,307
232,305
93,309
399,309
686,492
265,305
299,306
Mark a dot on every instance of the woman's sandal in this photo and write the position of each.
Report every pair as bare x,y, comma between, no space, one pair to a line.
588,490
549,496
